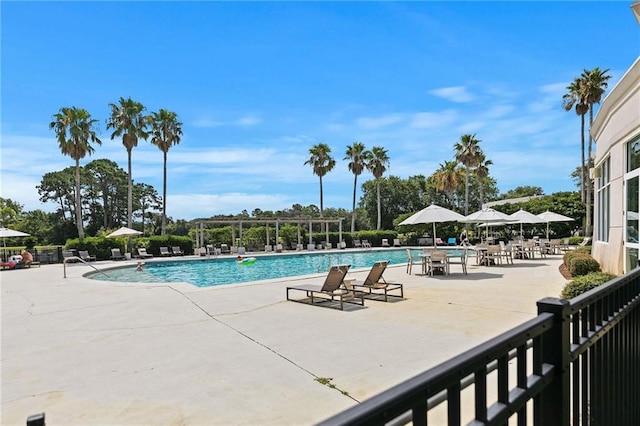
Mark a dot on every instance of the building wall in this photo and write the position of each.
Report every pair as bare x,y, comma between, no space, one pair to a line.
616,123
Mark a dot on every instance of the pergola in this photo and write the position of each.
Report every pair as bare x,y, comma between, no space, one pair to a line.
277,221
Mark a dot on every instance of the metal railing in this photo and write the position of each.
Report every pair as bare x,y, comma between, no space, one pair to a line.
576,363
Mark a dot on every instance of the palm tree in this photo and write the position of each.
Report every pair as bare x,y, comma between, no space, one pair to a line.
166,131
482,171
322,163
356,154
575,96
595,84
447,178
467,150
128,121
377,162
75,129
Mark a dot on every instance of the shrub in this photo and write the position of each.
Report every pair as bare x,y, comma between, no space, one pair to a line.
584,283
582,264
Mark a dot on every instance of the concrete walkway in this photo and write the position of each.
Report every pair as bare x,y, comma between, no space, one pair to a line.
94,352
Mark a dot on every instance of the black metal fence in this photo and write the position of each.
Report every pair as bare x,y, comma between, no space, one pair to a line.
576,363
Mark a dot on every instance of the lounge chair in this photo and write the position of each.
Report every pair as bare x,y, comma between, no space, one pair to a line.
116,254
69,257
84,255
177,251
396,242
164,252
366,244
385,242
142,253
330,293
224,249
375,284
452,241
357,244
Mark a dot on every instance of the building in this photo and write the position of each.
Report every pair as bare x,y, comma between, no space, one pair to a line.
616,131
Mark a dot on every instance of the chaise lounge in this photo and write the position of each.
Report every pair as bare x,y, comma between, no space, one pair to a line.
331,293
177,251
375,284
164,252
116,254
84,255
142,254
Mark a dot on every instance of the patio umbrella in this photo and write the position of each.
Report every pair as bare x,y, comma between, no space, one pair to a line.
433,214
8,233
523,216
124,232
549,217
486,217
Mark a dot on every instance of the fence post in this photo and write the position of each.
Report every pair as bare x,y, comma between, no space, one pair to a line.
551,408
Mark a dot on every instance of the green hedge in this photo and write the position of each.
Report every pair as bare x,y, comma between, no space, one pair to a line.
584,283
100,247
154,243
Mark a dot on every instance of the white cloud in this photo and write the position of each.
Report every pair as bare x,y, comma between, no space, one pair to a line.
458,94
424,120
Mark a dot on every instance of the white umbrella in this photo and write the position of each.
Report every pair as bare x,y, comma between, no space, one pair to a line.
553,217
523,216
7,233
486,217
433,214
124,232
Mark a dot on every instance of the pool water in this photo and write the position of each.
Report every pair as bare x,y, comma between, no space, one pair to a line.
207,272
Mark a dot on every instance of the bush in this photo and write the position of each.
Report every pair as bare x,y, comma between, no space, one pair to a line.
582,264
584,283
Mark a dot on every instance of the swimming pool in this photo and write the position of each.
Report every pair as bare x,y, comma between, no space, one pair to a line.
208,272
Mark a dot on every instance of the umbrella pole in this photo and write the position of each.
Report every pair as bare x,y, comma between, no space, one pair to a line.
434,235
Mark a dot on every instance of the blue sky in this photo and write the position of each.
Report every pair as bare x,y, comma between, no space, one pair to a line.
256,84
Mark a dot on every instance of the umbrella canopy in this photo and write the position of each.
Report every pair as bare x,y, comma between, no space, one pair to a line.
549,217
124,232
486,217
433,214
6,232
523,216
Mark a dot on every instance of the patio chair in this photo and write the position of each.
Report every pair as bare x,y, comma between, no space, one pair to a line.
459,260
142,253
116,254
506,252
375,284
177,251
330,293
437,261
224,249
164,252
396,242
366,244
357,244
452,241
385,242
412,261
84,255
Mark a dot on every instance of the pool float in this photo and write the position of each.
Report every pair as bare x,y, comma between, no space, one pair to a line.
247,261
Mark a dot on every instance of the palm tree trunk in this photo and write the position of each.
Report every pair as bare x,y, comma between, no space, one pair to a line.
353,211
582,179
78,201
466,190
321,206
164,197
379,210
129,192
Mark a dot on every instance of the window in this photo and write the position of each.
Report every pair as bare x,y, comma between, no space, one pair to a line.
603,194
633,154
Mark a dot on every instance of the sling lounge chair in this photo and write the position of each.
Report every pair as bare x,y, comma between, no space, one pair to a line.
142,254
84,255
177,251
116,254
164,252
331,293
375,284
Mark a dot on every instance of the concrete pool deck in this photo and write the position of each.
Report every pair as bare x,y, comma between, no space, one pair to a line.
95,352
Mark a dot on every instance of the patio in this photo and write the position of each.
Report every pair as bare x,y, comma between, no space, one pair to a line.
85,351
